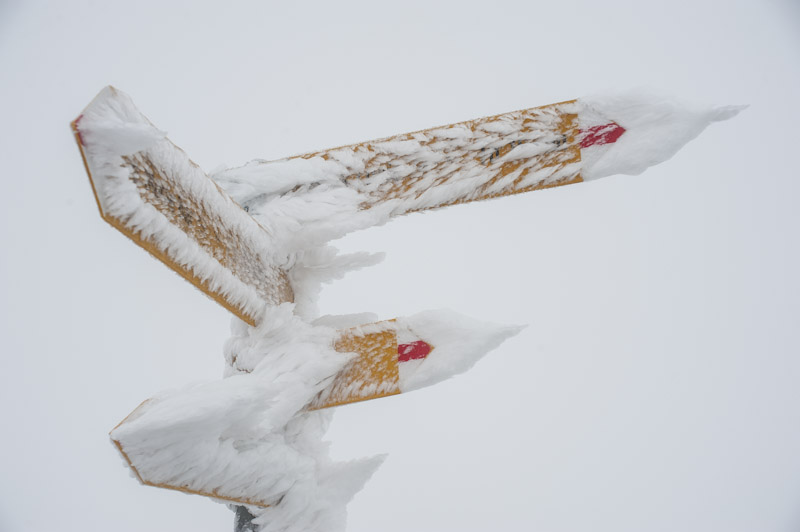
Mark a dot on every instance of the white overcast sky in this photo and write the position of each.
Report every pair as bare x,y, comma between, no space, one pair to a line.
657,387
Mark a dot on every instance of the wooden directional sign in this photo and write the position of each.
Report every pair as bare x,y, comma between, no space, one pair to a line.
385,352
382,350
182,487
150,191
475,160
486,158
153,193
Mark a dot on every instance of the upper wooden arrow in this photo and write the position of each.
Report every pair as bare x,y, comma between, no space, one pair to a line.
149,190
479,159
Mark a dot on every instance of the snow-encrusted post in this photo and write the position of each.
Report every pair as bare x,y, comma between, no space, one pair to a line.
243,520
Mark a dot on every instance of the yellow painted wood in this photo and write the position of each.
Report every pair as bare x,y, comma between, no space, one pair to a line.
373,373
557,122
207,229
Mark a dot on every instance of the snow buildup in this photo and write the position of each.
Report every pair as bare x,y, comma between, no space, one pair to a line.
111,129
316,197
247,436
320,265
326,195
459,342
250,437
656,127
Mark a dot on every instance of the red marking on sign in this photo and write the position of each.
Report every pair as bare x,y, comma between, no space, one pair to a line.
599,135
77,131
413,351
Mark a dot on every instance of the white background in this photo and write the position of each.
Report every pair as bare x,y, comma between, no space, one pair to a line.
656,387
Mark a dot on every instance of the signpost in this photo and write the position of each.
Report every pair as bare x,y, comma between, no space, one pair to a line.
148,189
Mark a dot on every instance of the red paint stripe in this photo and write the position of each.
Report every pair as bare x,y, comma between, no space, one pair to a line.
78,131
413,351
599,135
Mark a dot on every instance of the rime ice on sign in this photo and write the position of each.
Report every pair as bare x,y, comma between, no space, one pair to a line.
372,374
469,161
375,371
478,159
149,190
401,355
250,438
237,439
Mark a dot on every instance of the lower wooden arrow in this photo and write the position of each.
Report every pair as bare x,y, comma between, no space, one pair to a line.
391,357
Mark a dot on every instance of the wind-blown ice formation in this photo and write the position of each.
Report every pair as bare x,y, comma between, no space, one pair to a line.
656,128
321,196
251,438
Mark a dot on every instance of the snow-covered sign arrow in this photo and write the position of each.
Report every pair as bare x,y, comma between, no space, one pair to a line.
254,239
405,354
169,450
149,190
